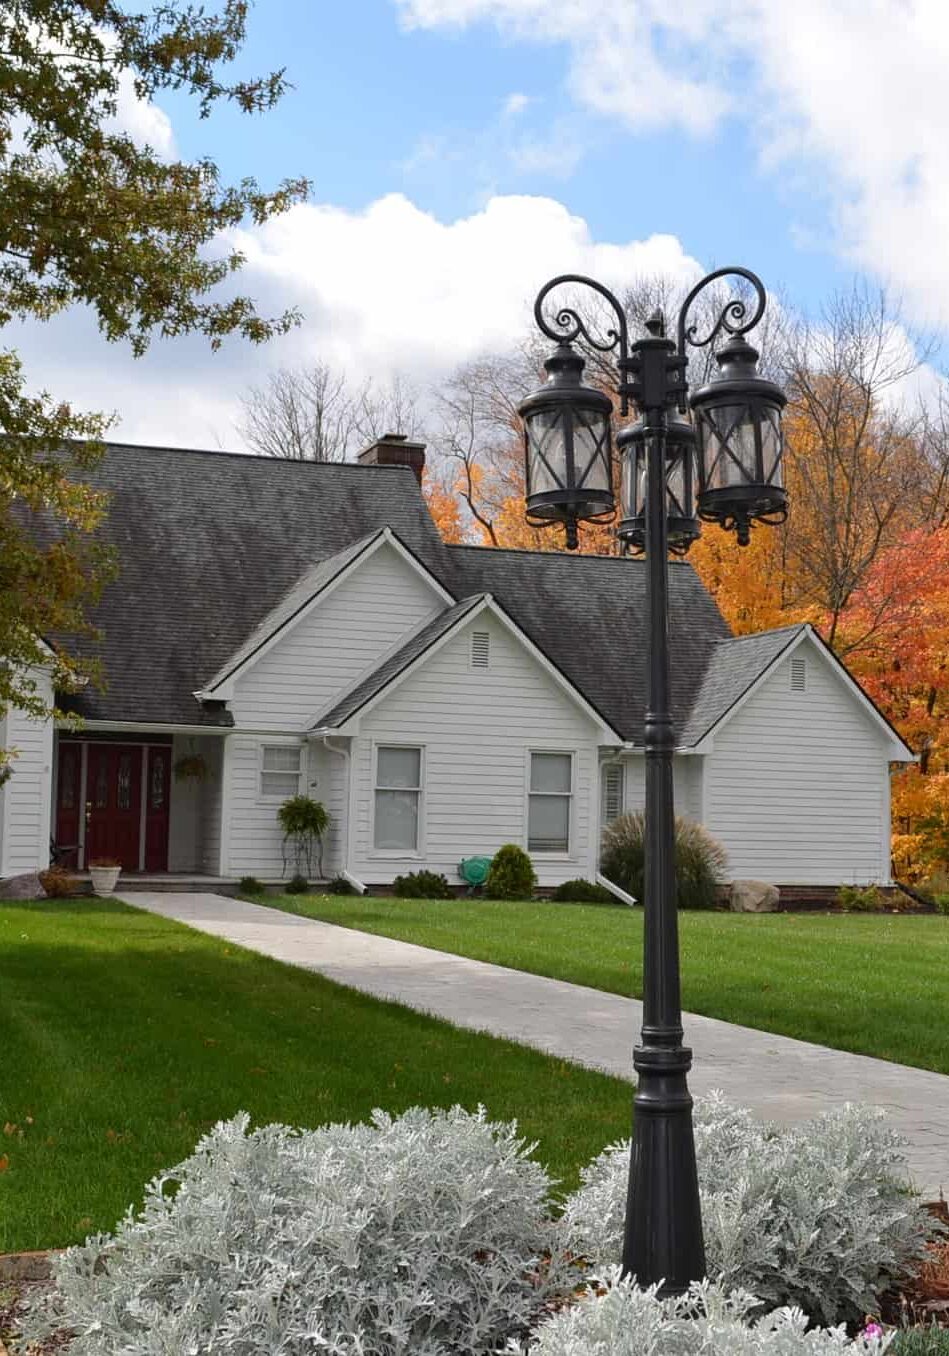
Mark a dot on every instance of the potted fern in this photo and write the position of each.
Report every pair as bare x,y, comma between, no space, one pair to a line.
304,822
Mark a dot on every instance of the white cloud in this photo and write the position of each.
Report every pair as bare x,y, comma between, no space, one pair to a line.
144,121
387,289
849,92
515,104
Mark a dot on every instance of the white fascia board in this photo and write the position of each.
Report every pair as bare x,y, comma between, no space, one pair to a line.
144,727
487,604
224,690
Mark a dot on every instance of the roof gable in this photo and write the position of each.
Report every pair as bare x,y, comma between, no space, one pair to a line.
313,586
425,643
741,665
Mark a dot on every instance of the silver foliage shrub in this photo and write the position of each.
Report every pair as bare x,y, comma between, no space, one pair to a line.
423,1233
816,1214
627,1321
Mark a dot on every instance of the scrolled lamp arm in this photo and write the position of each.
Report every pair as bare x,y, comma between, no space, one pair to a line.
567,326
732,315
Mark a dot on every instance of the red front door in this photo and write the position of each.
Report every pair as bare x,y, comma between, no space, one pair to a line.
114,804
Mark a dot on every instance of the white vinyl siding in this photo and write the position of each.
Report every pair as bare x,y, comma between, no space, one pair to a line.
478,728
254,836
797,782
26,797
398,795
194,807
550,801
329,648
686,784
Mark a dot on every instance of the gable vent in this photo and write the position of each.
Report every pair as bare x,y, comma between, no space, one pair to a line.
480,649
798,673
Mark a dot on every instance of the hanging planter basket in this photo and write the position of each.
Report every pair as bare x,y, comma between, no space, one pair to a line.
191,768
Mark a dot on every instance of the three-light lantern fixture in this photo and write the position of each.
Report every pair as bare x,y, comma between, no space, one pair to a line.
723,465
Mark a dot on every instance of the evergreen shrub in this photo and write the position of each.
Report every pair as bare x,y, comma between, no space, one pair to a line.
339,885
857,900
422,885
582,892
699,858
297,885
817,1214
511,875
250,885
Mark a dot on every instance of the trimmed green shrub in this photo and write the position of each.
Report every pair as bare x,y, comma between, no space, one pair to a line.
250,885
582,892
855,900
339,885
297,885
422,885
511,875
700,860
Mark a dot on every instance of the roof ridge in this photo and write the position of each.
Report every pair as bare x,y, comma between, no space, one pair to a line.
551,555
243,456
758,635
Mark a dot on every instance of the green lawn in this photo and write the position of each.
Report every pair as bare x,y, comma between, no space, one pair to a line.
125,1036
873,984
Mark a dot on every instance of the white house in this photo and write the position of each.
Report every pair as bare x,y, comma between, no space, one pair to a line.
285,627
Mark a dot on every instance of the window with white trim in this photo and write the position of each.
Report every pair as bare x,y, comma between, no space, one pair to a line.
549,802
280,768
398,794
614,787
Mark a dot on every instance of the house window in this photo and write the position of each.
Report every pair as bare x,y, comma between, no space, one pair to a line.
548,813
798,673
480,649
280,769
614,786
398,792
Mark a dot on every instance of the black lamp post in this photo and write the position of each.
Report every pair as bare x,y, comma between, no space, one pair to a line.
733,449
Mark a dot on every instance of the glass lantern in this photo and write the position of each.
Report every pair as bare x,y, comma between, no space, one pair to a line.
567,446
741,446
682,526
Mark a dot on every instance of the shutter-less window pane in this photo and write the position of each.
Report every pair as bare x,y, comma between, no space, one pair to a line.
399,767
550,772
280,770
281,758
397,820
548,828
398,786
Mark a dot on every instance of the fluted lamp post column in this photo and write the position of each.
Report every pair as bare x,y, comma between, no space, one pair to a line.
725,466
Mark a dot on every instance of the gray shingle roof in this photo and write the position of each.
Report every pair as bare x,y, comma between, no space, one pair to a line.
588,615
733,666
214,546
208,543
391,667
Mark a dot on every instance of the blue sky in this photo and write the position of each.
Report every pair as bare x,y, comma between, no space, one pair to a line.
462,151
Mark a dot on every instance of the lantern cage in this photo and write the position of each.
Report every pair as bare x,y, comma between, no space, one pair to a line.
682,527
567,449
740,444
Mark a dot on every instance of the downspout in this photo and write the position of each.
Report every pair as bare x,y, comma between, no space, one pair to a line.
346,755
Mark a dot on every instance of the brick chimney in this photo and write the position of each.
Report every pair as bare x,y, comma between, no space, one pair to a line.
395,449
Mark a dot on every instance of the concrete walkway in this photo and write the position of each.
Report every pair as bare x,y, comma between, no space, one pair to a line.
782,1079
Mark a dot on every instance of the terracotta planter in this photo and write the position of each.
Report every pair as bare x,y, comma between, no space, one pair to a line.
105,879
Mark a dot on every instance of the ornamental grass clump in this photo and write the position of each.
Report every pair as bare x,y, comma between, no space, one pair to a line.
700,860
428,1233
623,1320
816,1214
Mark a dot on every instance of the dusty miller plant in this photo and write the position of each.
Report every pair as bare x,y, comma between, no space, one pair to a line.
627,1321
426,1233
817,1214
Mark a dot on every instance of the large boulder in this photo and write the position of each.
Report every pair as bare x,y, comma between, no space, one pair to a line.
753,896
26,886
